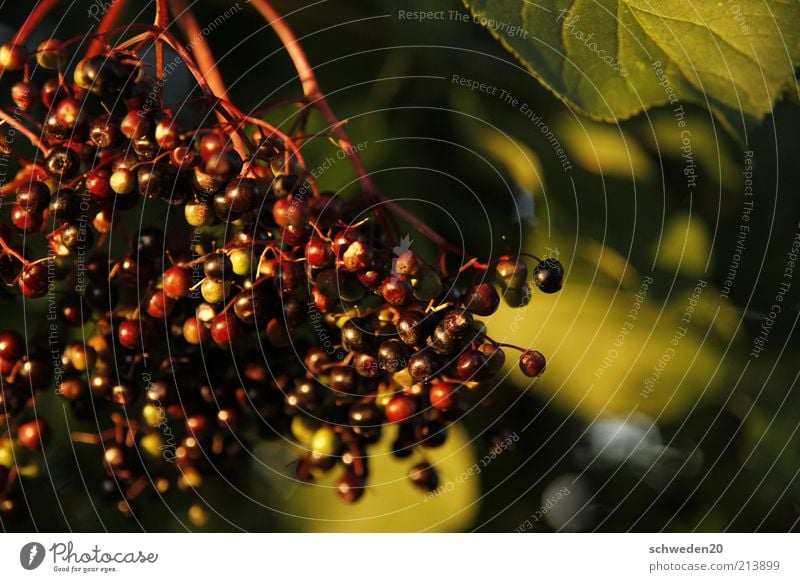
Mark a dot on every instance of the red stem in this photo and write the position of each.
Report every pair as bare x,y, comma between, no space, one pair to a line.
105,27
8,250
32,137
161,22
206,63
312,90
317,99
36,15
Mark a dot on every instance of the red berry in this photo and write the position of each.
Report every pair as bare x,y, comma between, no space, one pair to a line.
482,299
318,252
98,183
397,290
442,396
33,196
471,365
26,220
532,363
225,329
129,333
400,409
33,280
290,211
135,125
211,144
159,305
25,95
33,434
350,488
11,346
177,282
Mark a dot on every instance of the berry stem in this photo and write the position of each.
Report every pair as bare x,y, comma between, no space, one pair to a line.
105,28
206,62
161,22
16,124
10,251
317,99
312,91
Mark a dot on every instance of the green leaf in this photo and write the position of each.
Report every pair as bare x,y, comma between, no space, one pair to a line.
614,58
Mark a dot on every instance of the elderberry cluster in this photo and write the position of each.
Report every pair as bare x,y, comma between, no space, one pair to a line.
248,306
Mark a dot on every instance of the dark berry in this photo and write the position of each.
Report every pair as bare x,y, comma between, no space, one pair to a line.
548,275
532,363
482,300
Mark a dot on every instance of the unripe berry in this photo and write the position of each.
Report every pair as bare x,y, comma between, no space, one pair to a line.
13,57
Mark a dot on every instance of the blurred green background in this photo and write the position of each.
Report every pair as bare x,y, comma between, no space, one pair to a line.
643,432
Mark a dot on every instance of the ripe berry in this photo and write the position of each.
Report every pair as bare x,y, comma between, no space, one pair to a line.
442,395
392,355
218,267
135,125
512,273
25,95
64,205
26,220
424,477
225,164
11,346
350,488
290,211
33,280
129,333
225,328
104,131
159,305
344,379
431,434
422,366
318,252
413,327
396,290
243,194
400,408
33,196
482,299
97,183
471,365
364,415
62,163
357,336
532,363
177,282
367,365
251,307
548,275
34,434
285,184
